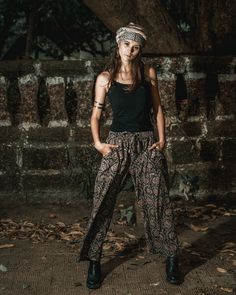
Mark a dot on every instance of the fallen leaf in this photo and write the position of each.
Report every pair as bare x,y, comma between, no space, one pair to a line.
24,286
210,205
227,250
198,228
185,244
129,235
6,246
155,284
106,247
60,224
229,290
3,268
222,270
229,245
195,253
52,215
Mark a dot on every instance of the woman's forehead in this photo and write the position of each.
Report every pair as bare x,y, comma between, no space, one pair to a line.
134,43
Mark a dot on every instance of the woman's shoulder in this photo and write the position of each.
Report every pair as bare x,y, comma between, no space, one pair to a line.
150,73
103,77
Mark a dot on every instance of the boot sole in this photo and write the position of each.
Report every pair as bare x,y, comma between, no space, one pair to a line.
94,286
173,282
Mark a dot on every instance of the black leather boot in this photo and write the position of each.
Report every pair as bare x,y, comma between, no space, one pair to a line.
94,274
172,269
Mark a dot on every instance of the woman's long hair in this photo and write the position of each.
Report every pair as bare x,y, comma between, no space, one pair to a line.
113,67
137,69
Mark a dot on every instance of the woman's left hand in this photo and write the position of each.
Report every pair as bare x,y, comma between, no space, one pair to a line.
158,145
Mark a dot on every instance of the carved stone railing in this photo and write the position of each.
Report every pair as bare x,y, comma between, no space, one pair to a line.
46,152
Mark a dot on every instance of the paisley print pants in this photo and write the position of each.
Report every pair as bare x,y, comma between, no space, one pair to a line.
149,172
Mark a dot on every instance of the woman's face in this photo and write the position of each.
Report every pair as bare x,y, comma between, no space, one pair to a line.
128,49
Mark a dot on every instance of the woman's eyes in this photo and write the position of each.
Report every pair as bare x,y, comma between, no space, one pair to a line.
136,47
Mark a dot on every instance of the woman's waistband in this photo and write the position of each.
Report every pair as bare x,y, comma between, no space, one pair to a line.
138,134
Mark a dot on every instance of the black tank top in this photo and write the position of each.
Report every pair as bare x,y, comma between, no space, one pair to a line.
131,109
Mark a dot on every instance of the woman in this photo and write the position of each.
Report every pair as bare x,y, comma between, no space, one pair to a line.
131,148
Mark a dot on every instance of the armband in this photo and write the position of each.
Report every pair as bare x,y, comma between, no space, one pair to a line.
98,105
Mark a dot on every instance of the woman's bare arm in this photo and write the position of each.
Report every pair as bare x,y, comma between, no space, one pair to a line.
99,103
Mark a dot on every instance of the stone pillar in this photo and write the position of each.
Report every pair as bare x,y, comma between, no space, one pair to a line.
196,95
5,119
56,91
28,113
84,91
226,99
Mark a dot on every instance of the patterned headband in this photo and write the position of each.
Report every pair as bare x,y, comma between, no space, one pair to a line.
131,32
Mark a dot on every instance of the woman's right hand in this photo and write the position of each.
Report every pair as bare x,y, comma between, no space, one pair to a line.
105,148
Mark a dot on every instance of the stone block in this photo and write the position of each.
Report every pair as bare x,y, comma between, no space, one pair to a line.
7,158
46,134
184,153
226,101
188,129
210,151
9,182
52,182
84,135
9,134
221,128
228,151
47,158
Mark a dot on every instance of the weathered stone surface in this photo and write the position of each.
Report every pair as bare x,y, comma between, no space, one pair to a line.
9,183
196,95
211,178
7,159
84,102
4,113
84,135
187,152
50,158
28,107
226,101
221,128
45,134
184,129
9,134
56,91
228,151
210,151
56,182
167,95
184,153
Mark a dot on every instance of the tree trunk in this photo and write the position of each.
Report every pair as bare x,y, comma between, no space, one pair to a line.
211,22
162,32
31,21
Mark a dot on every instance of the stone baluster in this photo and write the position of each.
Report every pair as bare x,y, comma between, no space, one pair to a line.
28,112
5,119
84,102
56,91
196,94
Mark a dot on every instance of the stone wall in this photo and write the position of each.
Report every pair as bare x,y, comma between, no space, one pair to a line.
46,152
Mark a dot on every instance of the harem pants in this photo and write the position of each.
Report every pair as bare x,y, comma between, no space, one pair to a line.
149,173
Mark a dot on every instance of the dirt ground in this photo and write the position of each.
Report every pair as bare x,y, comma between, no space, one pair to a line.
39,246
